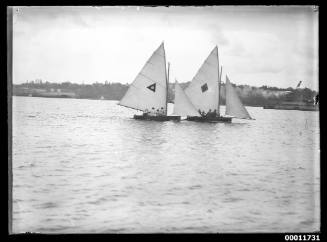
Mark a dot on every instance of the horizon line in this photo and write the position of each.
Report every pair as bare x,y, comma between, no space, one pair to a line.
44,82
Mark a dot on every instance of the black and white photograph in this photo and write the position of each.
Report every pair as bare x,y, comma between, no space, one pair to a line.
164,119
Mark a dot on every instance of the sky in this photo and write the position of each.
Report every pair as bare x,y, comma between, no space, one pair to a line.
258,45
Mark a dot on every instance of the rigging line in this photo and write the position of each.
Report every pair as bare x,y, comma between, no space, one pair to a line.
167,82
130,107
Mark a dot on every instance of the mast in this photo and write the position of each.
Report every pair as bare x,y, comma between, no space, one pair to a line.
167,88
219,85
218,108
167,81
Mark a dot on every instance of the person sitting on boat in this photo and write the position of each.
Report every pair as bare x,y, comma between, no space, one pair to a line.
212,114
146,112
160,112
152,112
209,114
316,99
203,114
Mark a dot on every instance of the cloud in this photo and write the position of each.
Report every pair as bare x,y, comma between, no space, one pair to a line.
236,49
41,17
98,43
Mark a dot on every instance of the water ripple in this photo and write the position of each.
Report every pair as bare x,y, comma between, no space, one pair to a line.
86,166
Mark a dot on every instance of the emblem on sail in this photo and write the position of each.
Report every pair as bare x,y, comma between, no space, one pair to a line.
201,99
204,87
152,87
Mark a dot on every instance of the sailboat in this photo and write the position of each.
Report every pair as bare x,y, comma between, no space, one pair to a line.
201,99
149,90
234,106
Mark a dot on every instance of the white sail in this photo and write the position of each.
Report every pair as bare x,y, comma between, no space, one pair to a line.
234,106
182,105
203,89
149,89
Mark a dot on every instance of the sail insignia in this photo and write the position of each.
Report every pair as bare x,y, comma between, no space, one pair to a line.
204,87
152,87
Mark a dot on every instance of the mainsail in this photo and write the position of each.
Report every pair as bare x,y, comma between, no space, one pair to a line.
203,89
234,106
182,105
149,89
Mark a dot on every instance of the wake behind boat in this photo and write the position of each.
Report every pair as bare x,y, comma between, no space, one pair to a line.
149,90
201,99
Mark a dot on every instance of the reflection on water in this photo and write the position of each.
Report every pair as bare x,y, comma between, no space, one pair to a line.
87,166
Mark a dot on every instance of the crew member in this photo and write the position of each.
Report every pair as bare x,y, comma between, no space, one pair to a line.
316,99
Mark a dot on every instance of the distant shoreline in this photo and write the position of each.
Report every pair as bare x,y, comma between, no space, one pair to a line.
14,95
250,96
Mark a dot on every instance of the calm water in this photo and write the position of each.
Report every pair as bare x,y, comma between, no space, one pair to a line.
86,166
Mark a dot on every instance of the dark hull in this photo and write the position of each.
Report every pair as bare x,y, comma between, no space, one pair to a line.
292,107
210,119
157,118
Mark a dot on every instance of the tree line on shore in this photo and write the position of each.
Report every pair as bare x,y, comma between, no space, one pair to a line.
249,95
